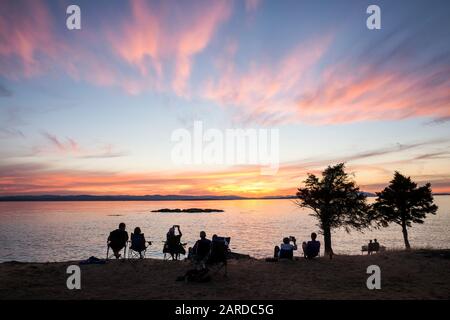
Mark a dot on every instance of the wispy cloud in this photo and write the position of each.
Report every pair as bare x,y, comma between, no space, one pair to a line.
26,30
67,145
149,41
11,133
264,92
158,40
70,147
107,151
380,82
369,94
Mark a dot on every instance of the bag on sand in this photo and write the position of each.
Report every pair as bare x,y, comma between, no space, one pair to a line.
92,260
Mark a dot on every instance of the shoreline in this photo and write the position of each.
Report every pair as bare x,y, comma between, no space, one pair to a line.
418,274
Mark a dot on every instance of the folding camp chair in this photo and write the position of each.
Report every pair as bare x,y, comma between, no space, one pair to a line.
133,252
173,252
314,252
110,252
218,254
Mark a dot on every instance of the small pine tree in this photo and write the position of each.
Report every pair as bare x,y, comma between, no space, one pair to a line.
404,203
336,202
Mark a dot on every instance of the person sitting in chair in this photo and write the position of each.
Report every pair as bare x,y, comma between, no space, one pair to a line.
201,248
117,239
173,243
376,245
138,242
219,250
286,249
311,248
370,247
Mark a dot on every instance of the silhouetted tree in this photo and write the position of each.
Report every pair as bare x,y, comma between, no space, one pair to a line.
336,202
404,203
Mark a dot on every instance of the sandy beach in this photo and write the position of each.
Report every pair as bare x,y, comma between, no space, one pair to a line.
419,274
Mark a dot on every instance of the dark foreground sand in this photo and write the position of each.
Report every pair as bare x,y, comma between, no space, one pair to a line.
422,274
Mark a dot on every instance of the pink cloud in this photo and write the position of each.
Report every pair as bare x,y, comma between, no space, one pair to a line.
25,33
368,94
158,39
266,90
139,37
297,88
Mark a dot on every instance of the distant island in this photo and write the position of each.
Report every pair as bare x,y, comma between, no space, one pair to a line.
155,197
190,210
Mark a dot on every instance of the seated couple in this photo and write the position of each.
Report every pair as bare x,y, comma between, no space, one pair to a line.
286,250
206,250
205,253
373,246
118,238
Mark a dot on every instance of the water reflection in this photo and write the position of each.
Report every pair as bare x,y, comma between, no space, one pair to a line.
56,231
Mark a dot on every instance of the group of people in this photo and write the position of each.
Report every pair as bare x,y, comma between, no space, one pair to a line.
310,249
118,239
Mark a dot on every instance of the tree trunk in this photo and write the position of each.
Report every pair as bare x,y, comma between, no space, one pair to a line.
327,240
405,236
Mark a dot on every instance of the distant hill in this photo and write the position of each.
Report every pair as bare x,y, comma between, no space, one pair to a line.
154,197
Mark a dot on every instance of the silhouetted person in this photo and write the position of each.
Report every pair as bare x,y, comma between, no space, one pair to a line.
376,245
201,248
311,248
138,241
286,249
370,247
219,250
173,242
117,239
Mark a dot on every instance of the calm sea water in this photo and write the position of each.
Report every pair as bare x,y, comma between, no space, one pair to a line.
59,231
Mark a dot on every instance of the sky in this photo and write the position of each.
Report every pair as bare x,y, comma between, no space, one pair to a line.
92,111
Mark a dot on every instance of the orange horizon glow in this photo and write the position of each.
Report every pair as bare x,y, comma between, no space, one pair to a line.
246,182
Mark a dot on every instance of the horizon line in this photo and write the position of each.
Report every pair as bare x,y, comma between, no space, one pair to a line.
152,197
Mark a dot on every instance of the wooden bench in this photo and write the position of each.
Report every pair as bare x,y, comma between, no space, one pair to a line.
365,248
